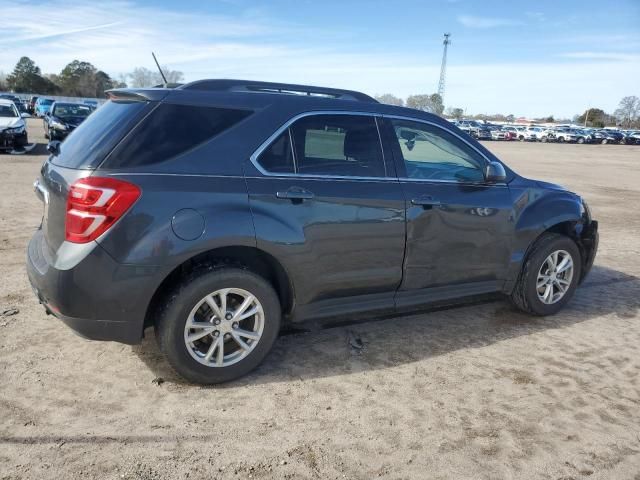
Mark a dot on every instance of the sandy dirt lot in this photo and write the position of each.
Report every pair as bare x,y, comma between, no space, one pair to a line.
478,392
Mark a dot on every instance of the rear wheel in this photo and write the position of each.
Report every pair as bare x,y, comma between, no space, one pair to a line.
549,276
604,141
219,325
580,140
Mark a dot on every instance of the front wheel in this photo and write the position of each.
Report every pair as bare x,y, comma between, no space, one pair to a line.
549,276
581,141
219,325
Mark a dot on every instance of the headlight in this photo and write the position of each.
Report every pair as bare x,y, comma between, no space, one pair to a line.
58,125
16,130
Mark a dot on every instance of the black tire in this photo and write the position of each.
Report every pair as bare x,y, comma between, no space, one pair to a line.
580,140
561,139
170,324
604,141
524,295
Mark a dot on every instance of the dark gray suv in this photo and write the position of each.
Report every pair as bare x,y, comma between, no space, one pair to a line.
220,210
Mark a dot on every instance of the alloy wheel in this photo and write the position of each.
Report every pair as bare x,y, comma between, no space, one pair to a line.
224,327
554,277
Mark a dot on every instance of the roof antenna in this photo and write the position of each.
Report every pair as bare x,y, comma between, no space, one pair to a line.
160,70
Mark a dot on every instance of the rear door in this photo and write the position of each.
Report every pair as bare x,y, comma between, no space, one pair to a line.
458,227
327,203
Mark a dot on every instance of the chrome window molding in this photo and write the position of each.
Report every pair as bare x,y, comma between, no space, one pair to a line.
254,157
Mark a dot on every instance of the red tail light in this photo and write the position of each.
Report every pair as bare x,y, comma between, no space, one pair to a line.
96,203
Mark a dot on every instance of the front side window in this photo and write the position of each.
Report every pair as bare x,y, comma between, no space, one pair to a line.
8,111
432,153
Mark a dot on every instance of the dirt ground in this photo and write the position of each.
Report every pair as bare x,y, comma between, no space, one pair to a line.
478,392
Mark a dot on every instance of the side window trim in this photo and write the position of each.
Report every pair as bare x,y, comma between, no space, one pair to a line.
287,126
483,157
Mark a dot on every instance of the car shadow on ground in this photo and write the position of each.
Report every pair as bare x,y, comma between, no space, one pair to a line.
351,345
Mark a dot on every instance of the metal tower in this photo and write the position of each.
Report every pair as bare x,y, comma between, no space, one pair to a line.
443,68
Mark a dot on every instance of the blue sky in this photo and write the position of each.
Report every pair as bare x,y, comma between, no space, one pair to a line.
528,58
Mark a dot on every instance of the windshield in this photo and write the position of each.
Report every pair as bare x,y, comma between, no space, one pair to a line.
68,110
46,101
8,111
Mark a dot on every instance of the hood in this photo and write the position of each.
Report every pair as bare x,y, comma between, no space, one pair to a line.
71,121
10,122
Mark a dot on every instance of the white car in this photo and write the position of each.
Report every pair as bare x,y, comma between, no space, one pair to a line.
532,134
516,131
13,129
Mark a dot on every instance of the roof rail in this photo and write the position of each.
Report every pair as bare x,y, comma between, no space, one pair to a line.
226,85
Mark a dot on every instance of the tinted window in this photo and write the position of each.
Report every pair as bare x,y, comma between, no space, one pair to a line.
88,144
170,130
278,157
432,153
338,145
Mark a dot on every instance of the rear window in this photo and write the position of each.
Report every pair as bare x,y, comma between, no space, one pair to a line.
171,130
90,143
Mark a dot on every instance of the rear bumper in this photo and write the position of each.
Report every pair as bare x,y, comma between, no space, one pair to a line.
90,292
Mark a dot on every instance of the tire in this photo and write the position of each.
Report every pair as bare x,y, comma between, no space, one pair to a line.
521,138
561,139
604,141
525,295
180,305
544,139
580,140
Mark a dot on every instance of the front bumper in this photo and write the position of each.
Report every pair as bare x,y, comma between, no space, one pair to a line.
10,141
95,296
589,245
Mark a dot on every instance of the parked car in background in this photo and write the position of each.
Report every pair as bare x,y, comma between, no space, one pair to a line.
516,132
63,118
567,135
92,103
632,137
32,105
500,134
42,106
217,211
532,134
606,136
13,130
474,129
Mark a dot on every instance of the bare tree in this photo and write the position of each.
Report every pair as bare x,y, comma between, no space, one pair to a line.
628,110
455,112
143,77
429,103
390,99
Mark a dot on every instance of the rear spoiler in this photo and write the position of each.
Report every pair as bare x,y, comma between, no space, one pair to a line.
137,95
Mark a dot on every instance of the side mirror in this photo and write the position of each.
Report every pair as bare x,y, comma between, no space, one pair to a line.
495,173
54,147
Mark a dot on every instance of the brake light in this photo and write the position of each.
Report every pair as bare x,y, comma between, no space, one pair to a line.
94,204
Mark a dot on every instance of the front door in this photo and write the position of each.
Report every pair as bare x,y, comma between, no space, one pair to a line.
327,205
458,226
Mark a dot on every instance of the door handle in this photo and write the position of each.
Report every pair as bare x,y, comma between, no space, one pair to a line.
427,202
299,194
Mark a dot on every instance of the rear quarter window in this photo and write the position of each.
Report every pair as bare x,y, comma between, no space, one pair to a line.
171,130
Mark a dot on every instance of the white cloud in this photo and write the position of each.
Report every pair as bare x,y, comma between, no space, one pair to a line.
487,22
251,45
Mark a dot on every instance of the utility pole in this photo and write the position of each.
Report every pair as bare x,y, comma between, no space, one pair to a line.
443,68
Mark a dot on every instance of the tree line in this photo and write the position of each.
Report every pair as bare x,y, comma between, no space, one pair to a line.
78,79
627,115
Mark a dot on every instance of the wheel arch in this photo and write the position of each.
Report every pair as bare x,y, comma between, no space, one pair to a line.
251,258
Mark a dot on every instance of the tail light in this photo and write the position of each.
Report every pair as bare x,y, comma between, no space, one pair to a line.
94,204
